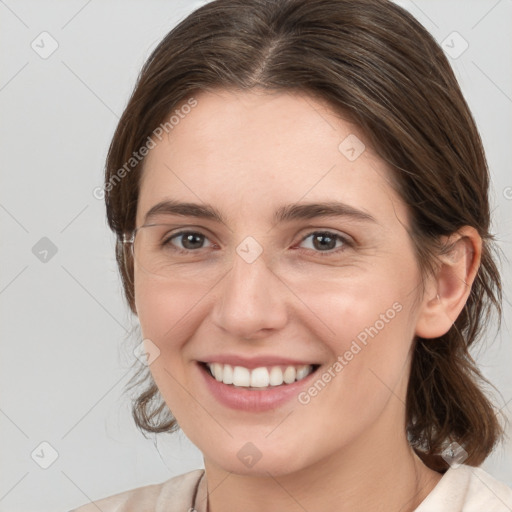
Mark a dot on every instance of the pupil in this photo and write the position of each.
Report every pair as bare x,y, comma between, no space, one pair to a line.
189,239
324,236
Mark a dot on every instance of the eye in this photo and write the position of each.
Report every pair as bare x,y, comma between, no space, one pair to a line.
325,242
189,240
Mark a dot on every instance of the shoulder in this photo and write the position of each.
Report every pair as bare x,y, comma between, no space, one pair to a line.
468,489
485,492
176,493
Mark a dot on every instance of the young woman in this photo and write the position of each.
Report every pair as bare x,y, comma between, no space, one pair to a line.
300,198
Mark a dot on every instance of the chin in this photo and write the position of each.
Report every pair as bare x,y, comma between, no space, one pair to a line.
249,461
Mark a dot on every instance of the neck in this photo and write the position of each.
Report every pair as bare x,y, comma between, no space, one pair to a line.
384,474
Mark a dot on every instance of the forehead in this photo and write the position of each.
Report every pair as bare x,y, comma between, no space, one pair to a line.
247,152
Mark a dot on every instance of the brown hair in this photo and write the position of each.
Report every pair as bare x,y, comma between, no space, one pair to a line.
377,66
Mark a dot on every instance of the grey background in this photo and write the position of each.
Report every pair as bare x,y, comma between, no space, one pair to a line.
66,349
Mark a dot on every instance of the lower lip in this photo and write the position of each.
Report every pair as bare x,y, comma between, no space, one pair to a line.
253,400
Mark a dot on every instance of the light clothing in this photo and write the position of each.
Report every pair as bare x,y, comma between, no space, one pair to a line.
461,489
183,493
467,489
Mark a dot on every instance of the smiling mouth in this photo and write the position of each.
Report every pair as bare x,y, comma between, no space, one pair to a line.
265,377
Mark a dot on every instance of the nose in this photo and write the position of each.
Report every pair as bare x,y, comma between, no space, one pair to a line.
251,301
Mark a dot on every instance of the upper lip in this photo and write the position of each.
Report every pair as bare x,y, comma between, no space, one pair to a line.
255,362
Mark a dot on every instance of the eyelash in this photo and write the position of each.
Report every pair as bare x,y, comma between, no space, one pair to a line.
346,242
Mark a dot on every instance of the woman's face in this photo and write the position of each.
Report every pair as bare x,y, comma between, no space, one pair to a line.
273,285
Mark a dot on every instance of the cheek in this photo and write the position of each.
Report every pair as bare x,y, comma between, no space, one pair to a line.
370,327
165,309
167,315
372,361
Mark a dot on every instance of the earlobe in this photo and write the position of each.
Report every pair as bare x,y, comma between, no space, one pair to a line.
450,288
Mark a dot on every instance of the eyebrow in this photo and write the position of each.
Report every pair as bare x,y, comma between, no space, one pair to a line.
286,213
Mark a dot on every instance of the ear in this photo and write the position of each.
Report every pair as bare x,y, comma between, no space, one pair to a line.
447,291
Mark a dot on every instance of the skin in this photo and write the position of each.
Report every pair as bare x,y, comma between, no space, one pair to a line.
247,153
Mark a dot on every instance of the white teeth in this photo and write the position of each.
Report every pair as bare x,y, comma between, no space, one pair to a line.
217,371
227,374
241,376
289,375
302,372
276,376
261,377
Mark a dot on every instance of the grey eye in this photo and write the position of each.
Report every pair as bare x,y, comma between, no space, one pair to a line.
190,240
324,241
